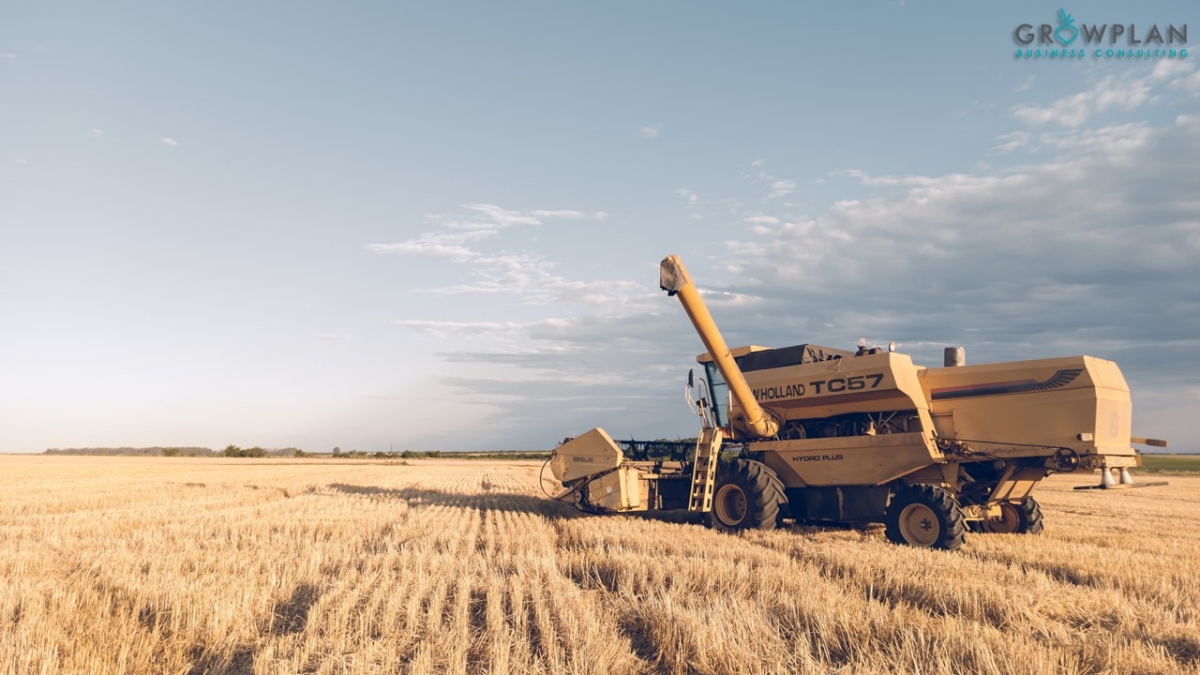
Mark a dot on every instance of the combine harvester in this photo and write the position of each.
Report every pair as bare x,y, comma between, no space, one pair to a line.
835,436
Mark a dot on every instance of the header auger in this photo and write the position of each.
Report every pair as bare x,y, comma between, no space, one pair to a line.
837,436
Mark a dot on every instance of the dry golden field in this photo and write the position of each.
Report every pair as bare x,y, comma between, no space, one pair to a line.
113,565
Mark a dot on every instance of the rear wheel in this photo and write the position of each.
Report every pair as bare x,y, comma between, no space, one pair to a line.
748,496
1015,518
925,516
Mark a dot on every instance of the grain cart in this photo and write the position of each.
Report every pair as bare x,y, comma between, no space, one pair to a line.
840,436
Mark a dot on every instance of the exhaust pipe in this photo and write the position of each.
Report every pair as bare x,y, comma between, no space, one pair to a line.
955,357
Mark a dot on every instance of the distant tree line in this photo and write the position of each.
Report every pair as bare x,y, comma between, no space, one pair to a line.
435,454
183,451
153,451
236,451
360,454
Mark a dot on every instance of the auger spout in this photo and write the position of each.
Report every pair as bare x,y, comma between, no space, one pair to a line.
675,280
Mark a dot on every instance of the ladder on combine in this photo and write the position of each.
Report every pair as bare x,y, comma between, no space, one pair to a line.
704,472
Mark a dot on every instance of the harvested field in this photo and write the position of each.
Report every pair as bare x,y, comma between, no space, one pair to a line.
1176,464
181,566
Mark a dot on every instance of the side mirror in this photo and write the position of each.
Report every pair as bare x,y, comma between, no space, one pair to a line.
691,377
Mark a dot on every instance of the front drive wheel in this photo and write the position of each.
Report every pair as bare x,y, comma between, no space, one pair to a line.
1015,518
748,496
925,516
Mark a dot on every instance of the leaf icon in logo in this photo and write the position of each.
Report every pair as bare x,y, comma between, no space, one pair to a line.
1067,32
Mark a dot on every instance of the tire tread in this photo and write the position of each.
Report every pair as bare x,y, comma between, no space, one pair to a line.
765,490
937,498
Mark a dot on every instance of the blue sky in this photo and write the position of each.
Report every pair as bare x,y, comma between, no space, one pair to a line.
439,226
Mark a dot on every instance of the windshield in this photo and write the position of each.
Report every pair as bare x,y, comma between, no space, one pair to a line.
720,394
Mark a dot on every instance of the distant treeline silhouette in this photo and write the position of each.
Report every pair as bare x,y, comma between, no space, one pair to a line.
338,453
161,451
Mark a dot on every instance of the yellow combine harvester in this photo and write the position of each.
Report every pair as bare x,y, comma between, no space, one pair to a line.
829,435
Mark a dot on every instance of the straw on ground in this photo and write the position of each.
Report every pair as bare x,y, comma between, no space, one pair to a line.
115,565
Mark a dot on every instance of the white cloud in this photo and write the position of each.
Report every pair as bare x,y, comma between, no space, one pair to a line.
1074,111
527,276
1026,85
574,358
170,141
1170,70
761,220
650,132
532,278
494,216
781,188
1113,139
1012,141
569,215
95,132
333,336
483,221
7,55
692,198
869,179
430,246
462,328
778,187
1126,92
1189,83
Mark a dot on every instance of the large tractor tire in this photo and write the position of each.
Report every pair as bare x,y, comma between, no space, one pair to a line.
1015,518
925,516
748,495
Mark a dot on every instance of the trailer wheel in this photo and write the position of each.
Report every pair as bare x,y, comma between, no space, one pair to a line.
925,516
748,495
1015,518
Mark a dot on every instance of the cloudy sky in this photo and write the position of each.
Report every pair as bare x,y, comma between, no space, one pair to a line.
439,226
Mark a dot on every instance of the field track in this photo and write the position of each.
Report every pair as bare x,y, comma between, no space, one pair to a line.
157,565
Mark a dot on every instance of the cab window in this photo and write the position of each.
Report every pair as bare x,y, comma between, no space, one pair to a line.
720,394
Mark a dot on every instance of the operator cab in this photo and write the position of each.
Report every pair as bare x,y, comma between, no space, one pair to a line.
758,357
